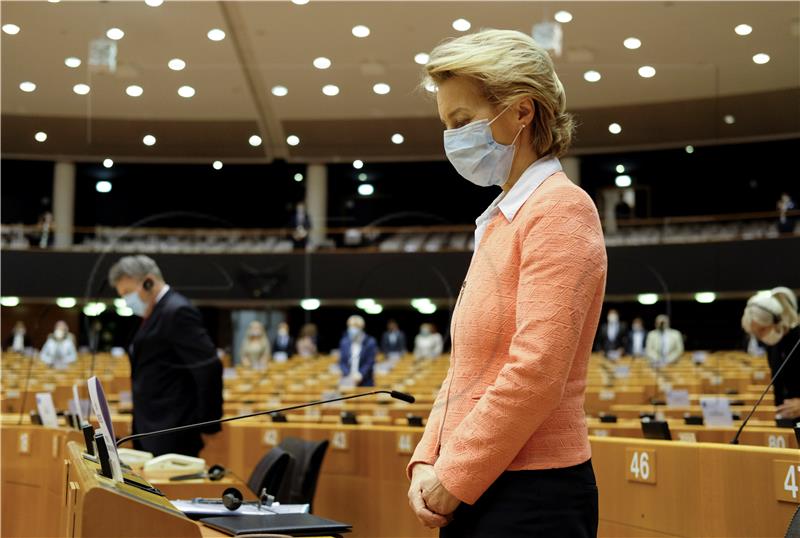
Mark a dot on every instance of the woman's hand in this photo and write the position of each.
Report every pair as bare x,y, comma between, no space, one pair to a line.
423,480
790,408
437,498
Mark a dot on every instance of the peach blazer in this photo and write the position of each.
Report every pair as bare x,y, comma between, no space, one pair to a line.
522,333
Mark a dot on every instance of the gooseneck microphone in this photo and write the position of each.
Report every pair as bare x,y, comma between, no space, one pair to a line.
735,440
393,393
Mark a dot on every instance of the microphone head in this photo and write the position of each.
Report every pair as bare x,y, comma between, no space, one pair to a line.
402,396
232,499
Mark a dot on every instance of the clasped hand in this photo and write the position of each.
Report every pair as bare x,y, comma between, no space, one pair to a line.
429,499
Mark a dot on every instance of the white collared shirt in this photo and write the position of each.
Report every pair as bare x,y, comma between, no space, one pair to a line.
510,202
162,293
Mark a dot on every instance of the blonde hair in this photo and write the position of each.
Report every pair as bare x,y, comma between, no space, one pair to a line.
510,65
766,309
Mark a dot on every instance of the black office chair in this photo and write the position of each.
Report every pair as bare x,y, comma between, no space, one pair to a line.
304,472
794,527
270,472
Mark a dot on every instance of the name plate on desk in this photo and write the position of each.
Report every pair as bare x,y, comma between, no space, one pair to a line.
640,465
786,477
716,411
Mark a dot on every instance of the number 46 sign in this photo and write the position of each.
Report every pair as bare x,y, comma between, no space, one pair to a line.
640,465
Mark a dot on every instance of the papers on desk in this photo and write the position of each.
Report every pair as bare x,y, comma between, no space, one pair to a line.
205,508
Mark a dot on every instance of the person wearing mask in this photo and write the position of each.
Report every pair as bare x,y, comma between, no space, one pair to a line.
393,341
357,352
255,351
59,349
283,345
19,341
636,338
428,344
300,223
307,341
506,450
176,375
612,336
664,345
773,319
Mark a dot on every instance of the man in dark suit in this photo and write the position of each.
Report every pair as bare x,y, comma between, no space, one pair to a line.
393,341
612,336
176,376
283,345
357,352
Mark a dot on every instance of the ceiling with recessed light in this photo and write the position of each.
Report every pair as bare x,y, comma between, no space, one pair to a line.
331,80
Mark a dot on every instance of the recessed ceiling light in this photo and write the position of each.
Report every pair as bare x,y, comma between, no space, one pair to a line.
422,58
362,176
620,169
11,29
300,2
563,16
615,128
330,89
462,25
54,1
358,164
279,91
66,302
381,88
689,149
322,62
72,62
761,58
293,140
397,138
298,177
153,3
149,140
134,91
115,33
430,86
186,91
647,71
217,165
27,86
9,301
309,304
41,136
592,76
108,163
743,29
81,89
215,34
176,64
365,189
103,186
729,119
360,31
632,43
647,298
254,140
705,297
623,181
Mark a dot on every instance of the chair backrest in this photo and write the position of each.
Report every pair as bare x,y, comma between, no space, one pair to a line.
270,472
303,475
794,527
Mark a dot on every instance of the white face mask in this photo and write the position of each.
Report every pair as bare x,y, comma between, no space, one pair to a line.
772,337
474,153
59,334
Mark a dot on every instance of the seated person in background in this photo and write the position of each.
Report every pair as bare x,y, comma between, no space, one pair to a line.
428,344
59,349
307,341
393,341
19,340
664,345
773,319
255,350
283,345
357,352
612,336
636,338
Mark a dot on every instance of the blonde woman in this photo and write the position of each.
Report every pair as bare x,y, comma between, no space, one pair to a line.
773,319
505,451
255,352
